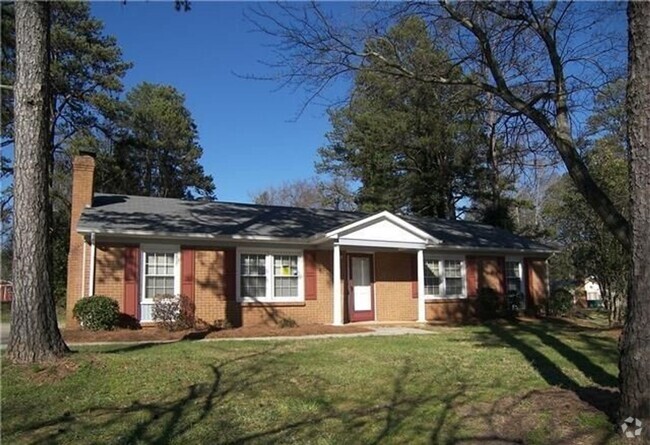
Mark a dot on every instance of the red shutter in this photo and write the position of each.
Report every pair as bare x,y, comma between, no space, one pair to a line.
187,273
414,276
527,292
230,273
131,281
310,275
472,276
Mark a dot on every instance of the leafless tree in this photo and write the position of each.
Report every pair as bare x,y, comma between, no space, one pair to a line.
544,63
311,193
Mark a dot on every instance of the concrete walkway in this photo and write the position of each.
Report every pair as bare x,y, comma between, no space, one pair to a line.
376,331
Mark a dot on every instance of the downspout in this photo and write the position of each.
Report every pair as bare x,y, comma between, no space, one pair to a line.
91,275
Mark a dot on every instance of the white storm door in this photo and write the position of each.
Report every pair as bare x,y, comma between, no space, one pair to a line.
361,283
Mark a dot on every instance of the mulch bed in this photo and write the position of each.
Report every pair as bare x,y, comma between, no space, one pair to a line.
154,333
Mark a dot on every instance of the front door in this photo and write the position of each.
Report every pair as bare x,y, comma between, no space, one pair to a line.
362,306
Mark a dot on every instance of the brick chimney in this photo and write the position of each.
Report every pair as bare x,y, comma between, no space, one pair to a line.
83,174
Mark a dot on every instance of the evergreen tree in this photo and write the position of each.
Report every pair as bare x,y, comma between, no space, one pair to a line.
85,80
34,334
157,152
413,146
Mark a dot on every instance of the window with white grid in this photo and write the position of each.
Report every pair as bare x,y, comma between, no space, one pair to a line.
514,282
159,273
253,275
285,275
270,276
432,277
444,277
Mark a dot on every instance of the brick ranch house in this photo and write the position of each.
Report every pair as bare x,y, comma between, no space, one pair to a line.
251,264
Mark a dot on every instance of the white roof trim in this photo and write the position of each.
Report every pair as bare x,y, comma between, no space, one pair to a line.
193,236
385,215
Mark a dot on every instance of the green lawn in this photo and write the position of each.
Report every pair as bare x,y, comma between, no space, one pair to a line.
525,383
5,312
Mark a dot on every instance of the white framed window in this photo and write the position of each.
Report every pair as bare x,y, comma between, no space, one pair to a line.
160,271
444,277
514,275
269,275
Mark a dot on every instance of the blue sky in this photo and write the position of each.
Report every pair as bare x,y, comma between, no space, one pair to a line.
247,129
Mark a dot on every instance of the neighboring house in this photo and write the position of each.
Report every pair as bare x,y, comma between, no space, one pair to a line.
6,291
592,293
251,264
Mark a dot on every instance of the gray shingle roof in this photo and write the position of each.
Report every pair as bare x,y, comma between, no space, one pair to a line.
139,214
122,213
472,234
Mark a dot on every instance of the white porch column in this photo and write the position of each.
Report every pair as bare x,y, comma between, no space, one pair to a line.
91,274
421,306
337,305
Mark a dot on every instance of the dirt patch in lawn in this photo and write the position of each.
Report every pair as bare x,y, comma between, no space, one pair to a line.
50,372
552,415
157,334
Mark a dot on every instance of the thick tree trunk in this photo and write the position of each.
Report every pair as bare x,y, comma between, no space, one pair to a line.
34,334
635,342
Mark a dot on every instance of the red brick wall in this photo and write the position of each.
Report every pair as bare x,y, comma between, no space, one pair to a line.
490,273
481,272
392,289
212,304
393,278
83,168
109,272
455,311
536,284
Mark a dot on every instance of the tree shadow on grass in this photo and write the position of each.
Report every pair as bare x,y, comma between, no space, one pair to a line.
581,361
409,409
163,421
603,397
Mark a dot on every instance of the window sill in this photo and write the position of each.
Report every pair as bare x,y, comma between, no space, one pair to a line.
266,303
443,299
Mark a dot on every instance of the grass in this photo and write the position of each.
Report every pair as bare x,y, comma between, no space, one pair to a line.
538,383
5,313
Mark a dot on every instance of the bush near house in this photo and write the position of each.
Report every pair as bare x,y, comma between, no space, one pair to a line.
173,312
489,304
97,313
560,303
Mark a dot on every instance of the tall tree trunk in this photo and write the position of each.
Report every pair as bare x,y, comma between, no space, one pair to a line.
34,334
635,343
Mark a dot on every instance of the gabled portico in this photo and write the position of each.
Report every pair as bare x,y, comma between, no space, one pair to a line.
383,231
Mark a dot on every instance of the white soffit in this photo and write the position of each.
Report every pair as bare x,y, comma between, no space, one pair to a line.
383,227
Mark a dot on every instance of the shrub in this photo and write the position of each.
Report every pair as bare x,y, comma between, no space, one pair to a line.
97,313
514,303
222,324
489,303
560,303
173,312
287,323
